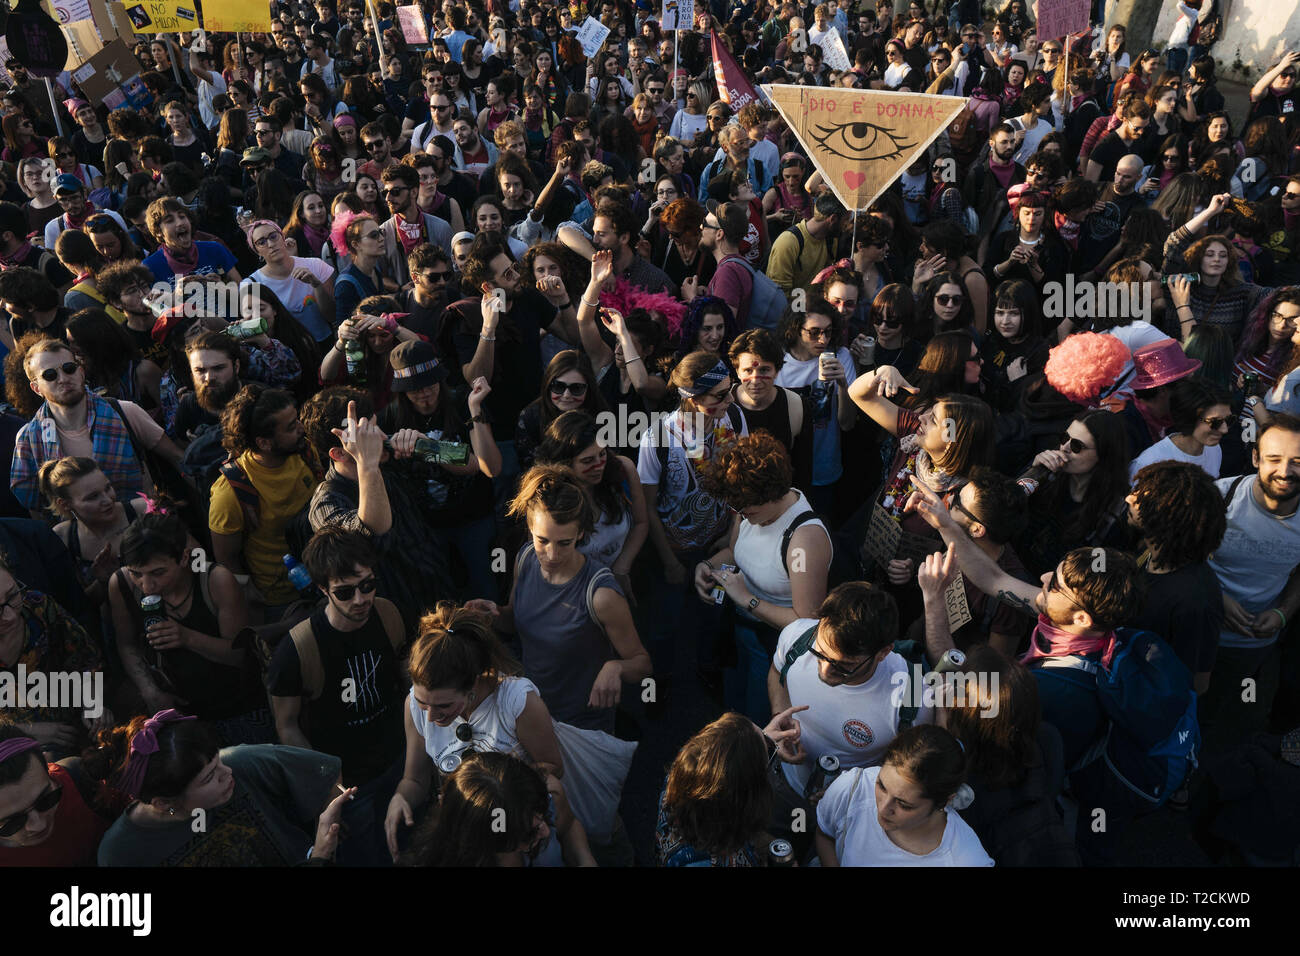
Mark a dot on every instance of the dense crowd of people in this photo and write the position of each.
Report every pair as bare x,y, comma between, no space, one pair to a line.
402,433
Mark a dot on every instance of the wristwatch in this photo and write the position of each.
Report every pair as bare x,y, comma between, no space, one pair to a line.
753,603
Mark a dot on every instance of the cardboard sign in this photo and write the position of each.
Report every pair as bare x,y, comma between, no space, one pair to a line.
677,15
954,599
862,140
411,20
833,53
109,22
734,87
83,42
106,71
882,537
592,36
1056,18
161,16
236,16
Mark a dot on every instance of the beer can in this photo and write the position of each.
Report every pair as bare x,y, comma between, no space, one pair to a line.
828,356
780,853
868,349
151,609
952,660
448,764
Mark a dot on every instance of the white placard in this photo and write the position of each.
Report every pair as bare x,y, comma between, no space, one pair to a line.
677,15
833,52
71,11
592,36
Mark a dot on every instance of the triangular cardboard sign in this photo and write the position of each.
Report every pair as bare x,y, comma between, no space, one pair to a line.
862,140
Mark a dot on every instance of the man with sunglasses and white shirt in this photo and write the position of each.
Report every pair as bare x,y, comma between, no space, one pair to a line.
73,422
341,667
842,667
408,227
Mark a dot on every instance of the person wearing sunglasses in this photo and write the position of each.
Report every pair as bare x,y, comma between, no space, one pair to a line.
359,237
841,665
81,424
569,384
1275,93
51,814
433,286
1202,416
304,285
889,321
408,226
355,637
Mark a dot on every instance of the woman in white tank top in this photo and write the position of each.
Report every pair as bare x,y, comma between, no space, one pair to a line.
775,585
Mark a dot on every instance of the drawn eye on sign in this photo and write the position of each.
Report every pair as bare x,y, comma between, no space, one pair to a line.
860,141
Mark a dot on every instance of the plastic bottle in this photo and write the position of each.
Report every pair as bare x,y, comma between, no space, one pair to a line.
299,576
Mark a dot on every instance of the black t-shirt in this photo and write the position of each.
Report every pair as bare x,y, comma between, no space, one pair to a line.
359,722
1101,229
191,416
464,190
517,374
1110,149
1185,607
1286,106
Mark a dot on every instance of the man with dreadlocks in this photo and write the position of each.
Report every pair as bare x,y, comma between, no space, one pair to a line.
1180,514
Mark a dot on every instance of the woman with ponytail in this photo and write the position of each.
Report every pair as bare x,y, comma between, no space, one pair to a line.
466,696
257,804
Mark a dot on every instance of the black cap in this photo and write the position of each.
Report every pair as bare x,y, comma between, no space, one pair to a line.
415,366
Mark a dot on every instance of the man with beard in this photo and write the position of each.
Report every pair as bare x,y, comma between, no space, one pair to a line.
73,422
473,153
215,366
353,638
36,98
408,227
265,486
614,230
987,182
380,147
1261,593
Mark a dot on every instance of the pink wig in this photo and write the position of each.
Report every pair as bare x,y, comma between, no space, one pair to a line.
339,230
625,297
1084,364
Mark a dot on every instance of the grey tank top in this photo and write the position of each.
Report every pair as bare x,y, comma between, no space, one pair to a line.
563,648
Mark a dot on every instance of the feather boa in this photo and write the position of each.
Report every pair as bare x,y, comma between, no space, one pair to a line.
625,297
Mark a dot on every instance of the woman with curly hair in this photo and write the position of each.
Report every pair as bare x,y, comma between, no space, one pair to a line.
772,521
709,325
1220,297
682,255
1179,512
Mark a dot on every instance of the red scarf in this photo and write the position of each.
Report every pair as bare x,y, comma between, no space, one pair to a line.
410,234
182,265
17,258
1051,641
70,223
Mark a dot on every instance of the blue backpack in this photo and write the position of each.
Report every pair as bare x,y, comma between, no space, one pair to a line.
1152,737
767,303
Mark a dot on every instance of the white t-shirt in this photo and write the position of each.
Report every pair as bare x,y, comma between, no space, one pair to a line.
299,297
55,226
847,813
1210,459
1032,138
855,723
207,91
492,722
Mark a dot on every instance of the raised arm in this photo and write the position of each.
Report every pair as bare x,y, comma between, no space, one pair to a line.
872,392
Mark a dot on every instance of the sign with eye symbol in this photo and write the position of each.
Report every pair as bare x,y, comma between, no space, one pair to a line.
862,140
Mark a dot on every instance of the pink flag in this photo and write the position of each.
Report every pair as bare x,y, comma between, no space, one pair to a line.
733,87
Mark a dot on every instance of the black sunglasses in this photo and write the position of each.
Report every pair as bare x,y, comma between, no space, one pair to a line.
67,368
347,591
14,824
836,668
1075,445
949,299
438,276
576,389
889,322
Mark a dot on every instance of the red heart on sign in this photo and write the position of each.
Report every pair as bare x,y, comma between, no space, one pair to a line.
854,179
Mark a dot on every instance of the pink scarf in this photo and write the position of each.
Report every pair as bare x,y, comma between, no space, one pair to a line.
1050,641
18,258
182,266
316,238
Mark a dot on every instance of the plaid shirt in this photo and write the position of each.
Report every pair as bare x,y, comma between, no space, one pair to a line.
38,443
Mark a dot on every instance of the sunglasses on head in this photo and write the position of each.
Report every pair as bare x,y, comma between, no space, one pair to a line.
100,224
347,591
576,389
13,825
67,368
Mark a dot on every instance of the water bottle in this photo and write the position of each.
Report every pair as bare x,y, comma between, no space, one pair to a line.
299,576
355,355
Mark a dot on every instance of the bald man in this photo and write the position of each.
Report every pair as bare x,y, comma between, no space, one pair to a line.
1101,229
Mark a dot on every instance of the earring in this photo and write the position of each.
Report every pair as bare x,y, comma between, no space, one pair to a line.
171,811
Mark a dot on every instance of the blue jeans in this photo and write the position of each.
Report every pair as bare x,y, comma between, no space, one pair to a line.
503,485
1177,58
745,684
474,542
